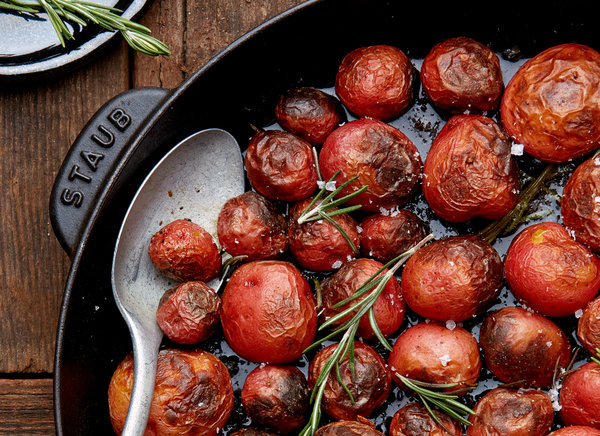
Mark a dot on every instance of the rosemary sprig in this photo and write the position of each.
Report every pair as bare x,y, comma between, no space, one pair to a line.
596,359
345,347
82,13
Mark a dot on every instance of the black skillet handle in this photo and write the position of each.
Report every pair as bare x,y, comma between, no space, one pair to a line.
92,159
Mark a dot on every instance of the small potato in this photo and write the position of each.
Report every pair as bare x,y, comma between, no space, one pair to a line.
309,113
512,412
189,313
369,386
580,204
281,165
522,346
347,428
460,74
375,82
552,104
550,272
469,171
588,327
580,396
414,420
576,430
193,394
182,250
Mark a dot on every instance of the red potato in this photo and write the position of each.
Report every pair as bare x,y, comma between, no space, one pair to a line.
388,308
453,278
309,113
588,327
382,157
414,420
576,430
347,428
460,74
250,225
432,353
375,82
319,245
512,412
281,165
580,204
580,397
550,272
522,346
552,104
469,171
369,386
193,394
189,313
276,397
267,312
385,236
182,250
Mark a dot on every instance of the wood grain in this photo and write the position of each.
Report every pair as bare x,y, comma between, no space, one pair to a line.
26,407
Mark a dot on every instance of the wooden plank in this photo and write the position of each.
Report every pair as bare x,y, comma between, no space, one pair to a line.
38,122
26,407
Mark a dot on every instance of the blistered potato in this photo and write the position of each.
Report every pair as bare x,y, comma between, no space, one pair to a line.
552,103
580,396
469,171
347,428
414,419
576,430
588,327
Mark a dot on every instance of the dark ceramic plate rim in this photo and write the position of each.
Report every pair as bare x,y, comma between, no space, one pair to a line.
69,57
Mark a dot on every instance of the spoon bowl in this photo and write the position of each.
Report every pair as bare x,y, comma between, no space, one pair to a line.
192,181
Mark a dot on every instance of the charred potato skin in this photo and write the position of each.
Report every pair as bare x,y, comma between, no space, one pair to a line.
193,394
512,412
268,312
550,272
388,308
189,313
464,272
519,345
281,165
309,113
460,74
382,157
552,104
250,225
370,385
580,204
414,420
183,250
580,397
375,82
469,171
588,327
276,397
347,428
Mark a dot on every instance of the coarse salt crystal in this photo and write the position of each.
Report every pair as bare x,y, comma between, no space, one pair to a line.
517,149
445,359
578,313
330,186
450,325
337,264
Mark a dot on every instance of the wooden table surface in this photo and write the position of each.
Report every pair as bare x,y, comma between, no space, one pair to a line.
38,122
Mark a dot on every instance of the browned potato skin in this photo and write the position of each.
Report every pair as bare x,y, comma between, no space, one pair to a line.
189,313
588,327
388,308
193,394
182,250
512,412
576,430
552,104
370,385
318,245
515,346
460,74
347,428
375,82
469,171
414,420
580,396
419,351
384,237
464,272
276,397
250,225
309,113
382,157
281,165
580,208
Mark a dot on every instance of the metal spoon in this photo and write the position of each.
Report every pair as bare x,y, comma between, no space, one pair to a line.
192,181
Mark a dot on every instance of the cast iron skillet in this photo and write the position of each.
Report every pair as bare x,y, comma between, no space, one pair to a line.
237,88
